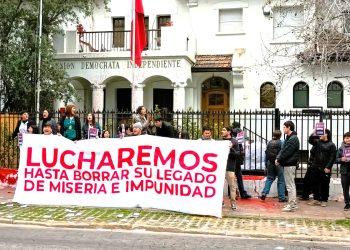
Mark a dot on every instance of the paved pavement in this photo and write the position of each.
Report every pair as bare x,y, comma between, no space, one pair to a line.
253,218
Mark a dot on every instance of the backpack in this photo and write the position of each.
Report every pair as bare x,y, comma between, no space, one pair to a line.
272,150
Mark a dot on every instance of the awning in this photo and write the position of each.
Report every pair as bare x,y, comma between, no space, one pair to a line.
212,63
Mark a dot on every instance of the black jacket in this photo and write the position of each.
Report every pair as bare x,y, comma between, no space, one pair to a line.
30,123
344,165
167,130
232,155
289,154
325,152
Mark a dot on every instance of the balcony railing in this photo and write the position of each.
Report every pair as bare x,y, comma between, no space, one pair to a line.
103,41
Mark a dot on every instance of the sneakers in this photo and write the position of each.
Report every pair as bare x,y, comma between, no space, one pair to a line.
347,207
323,203
262,197
289,208
283,200
314,203
233,206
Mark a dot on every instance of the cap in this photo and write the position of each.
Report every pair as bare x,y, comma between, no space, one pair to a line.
137,125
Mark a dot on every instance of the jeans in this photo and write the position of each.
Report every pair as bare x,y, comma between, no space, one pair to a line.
272,172
289,178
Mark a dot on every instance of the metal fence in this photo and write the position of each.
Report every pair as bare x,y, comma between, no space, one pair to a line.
257,124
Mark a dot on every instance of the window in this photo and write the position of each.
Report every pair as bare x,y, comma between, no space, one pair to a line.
231,20
346,21
335,95
162,21
288,23
301,95
267,95
118,32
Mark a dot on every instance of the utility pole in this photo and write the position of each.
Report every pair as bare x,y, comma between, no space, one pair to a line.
38,87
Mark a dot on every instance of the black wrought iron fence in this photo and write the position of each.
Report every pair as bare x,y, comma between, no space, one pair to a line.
258,126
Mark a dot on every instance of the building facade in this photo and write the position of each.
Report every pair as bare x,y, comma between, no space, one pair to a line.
211,55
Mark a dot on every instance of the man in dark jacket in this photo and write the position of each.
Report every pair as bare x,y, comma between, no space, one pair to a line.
163,128
325,153
288,158
231,164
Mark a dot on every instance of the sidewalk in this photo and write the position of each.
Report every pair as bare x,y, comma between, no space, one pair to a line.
253,218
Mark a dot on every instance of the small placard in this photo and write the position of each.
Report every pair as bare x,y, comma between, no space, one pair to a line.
93,133
240,137
346,153
20,139
319,128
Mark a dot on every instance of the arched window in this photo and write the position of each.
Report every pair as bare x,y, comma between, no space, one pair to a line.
335,95
267,95
301,95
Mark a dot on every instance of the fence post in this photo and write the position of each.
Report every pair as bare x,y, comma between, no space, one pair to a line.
277,118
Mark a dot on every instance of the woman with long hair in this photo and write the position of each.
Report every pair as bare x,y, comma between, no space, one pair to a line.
141,116
70,126
91,128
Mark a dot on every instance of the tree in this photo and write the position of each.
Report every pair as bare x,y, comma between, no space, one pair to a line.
320,47
19,50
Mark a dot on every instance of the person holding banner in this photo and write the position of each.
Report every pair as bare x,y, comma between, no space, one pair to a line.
163,128
343,157
137,129
22,125
70,126
105,134
231,165
206,134
46,117
324,158
47,128
91,128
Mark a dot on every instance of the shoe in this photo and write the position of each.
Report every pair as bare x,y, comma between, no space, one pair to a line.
314,203
233,206
283,200
347,207
262,197
289,208
323,203
247,196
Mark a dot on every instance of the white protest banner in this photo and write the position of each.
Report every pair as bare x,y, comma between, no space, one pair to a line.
139,171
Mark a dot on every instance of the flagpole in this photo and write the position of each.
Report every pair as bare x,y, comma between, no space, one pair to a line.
133,85
39,61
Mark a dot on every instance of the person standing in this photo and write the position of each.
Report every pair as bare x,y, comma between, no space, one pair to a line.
163,128
70,126
343,157
288,158
141,117
307,181
206,134
230,175
239,161
90,125
22,125
46,117
273,148
324,158
47,128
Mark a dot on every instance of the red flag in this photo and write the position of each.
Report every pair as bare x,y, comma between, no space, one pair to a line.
139,33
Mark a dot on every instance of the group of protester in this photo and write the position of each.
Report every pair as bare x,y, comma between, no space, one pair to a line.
281,162
281,157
